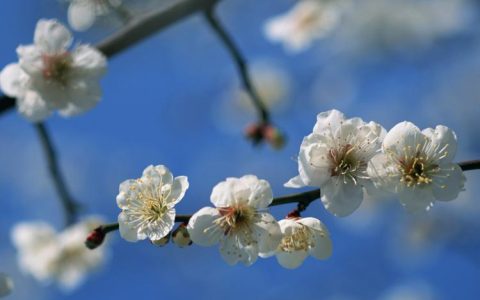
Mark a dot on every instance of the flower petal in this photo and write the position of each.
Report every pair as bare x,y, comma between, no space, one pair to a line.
126,232
291,260
235,248
442,138
179,187
30,60
261,193
222,193
202,227
328,122
267,232
158,173
88,62
404,136
52,37
33,107
13,80
323,244
160,228
416,199
81,14
448,183
341,199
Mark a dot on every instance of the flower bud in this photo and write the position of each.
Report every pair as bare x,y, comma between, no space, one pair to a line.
259,132
181,237
95,238
162,242
6,285
274,137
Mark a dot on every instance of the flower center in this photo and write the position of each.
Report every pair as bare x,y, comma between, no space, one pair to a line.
149,206
299,240
235,218
57,67
417,171
344,162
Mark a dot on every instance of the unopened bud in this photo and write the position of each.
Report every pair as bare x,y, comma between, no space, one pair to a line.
6,285
294,214
254,132
274,137
181,237
259,132
95,238
162,242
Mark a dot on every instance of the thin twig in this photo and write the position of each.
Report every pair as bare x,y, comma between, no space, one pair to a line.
239,61
69,205
137,30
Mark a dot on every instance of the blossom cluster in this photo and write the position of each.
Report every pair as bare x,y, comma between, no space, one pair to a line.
349,158
57,256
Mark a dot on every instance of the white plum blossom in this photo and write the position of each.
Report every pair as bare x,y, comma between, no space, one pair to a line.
50,77
83,13
6,285
148,204
307,21
239,221
302,237
62,257
378,26
417,166
335,158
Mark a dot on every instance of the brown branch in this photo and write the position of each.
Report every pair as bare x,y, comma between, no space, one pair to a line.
137,30
69,205
240,63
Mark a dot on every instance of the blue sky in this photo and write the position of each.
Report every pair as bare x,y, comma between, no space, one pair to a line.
164,103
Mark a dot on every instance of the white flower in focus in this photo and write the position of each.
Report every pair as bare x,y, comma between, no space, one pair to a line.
307,21
62,257
6,285
302,237
148,204
335,158
417,166
239,221
48,76
82,13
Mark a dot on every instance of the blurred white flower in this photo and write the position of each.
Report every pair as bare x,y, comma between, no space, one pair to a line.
239,221
302,237
271,83
335,158
63,257
49,76
82,13
307,21
372,26
417,166
148,204
6,285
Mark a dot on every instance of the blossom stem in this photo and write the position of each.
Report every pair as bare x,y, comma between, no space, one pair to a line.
239,61
69,205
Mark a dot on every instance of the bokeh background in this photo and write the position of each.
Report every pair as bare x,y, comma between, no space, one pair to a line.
173,99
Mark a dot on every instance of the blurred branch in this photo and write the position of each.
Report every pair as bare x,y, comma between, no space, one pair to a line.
136,30
140,28
239,61
69,205
470,165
